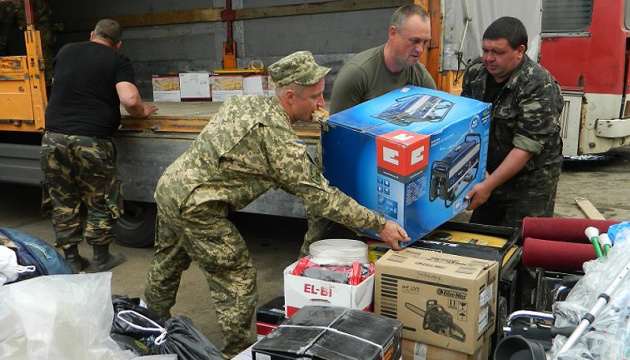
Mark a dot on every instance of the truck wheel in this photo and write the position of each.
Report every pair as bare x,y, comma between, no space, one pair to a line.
136,228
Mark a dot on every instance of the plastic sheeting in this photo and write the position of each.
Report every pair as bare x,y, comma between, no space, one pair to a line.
58,317
610,335
483,13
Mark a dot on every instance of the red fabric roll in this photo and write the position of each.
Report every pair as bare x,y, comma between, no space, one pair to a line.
562,229
556,255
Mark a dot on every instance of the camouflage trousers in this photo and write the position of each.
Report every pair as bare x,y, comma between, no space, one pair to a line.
79,171
511,212
217,246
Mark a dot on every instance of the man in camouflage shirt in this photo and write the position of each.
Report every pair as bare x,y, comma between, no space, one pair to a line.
525,149
248,148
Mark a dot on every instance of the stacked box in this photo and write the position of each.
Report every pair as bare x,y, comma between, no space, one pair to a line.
443,300
255,84
195,85
411,154
226,86
300,291
166,88
331,333
413,350
269,316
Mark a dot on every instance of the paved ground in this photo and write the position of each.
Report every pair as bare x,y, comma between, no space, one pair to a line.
275,242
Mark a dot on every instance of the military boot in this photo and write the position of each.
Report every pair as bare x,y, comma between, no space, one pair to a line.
103,260
75,260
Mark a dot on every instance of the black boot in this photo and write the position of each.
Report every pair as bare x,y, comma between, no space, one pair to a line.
103,260
76,261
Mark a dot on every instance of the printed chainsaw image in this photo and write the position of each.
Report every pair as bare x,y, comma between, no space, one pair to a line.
459,166
416,108
438,320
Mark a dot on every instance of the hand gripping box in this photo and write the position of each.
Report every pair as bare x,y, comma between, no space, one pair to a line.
332,333
300,291
412,154
443,300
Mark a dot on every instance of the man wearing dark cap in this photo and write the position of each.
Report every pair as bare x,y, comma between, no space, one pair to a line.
248,148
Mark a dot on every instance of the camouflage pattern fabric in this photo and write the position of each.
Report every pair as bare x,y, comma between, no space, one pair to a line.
81,170
511,212
299,67
216,245
524,115
247,148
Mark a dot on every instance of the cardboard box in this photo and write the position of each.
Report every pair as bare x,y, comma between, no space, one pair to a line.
255,84
331,333
269,316
226,86
300,291
444,300
195,85
411,154
166,88
270,87
413,350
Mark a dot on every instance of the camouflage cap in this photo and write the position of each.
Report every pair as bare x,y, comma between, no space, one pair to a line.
299,67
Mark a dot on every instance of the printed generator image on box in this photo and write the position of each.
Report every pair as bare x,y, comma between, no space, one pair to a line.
412,154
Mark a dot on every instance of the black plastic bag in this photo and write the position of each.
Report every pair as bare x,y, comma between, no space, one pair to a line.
128,343
183,339
122,303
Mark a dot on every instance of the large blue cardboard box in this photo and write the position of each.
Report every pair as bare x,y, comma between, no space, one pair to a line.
411,154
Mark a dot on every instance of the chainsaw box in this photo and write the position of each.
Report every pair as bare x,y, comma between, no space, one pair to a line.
498,243
443,300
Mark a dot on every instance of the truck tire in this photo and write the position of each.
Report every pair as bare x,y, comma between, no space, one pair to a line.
136,228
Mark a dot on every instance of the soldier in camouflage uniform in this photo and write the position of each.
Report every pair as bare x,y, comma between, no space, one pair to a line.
525,148
247,148
92,80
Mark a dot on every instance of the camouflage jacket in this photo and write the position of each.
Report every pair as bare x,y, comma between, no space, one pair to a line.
524,115
247,148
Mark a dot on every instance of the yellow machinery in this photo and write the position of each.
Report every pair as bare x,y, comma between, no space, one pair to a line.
22,84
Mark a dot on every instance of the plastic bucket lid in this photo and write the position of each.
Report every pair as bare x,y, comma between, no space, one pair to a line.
339,251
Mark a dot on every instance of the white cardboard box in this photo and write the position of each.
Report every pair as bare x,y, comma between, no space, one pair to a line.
226,86
300,291
195,86
254,84
166,88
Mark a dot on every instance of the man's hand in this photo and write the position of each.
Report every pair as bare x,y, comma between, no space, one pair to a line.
392,233
149,109
478,195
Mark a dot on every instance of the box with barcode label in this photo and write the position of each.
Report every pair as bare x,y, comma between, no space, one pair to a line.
442,299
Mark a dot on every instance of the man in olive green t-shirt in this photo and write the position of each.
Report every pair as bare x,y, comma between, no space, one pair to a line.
375,72
388,67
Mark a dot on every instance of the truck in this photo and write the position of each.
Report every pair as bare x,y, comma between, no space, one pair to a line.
165,37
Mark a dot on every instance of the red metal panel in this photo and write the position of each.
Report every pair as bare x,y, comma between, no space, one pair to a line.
594,64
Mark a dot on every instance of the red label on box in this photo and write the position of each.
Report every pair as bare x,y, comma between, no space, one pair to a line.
402,152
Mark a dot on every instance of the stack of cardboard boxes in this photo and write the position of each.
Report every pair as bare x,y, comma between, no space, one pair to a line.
412,154
218,86
447,303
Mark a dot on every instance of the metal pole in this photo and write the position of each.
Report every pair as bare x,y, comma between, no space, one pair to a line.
602,300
